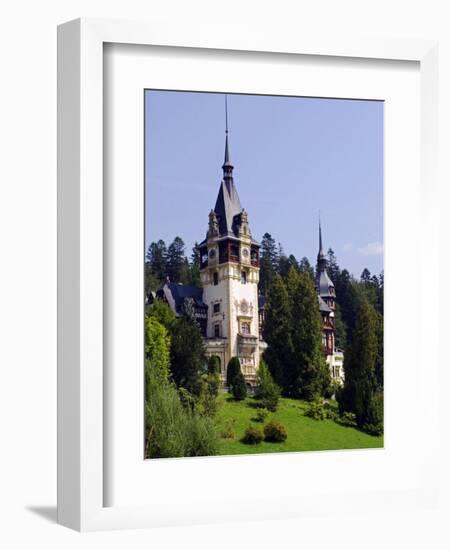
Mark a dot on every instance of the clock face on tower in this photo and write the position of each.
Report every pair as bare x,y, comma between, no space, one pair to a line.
245,252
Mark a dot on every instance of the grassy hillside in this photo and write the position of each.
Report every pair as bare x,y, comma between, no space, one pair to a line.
304,433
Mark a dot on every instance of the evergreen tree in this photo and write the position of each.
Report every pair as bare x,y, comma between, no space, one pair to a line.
195,279
156,257
238,388
365,276
268,263
340,329
188,358
360,366
232,370
309,377
333,268
293,262
379,366
195,256
152,282
266,389
306,267
175,259
283,264
184,276
348,301
277,332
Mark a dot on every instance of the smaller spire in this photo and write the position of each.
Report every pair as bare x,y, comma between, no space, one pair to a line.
320,251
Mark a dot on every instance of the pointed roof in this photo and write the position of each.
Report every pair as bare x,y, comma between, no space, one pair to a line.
321,255
323,281
324,284
228,207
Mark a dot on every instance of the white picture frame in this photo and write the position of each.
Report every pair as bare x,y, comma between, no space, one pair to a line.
81,406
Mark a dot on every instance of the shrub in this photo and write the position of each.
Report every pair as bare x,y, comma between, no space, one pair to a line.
348,419
275,432
166,421
174,429
316,410
207,403
332,390
321,410
252,436
330,411
228,431
238,387
201,436
266,390
271,399
261,415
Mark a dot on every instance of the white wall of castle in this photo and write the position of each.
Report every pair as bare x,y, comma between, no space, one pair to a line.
238,303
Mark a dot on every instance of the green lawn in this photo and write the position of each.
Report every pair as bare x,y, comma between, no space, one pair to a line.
304,433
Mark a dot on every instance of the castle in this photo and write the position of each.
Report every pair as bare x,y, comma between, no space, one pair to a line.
228,308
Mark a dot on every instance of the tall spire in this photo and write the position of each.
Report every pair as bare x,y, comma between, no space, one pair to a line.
227,166
321,258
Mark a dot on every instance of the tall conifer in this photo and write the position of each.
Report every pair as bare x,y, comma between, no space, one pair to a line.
277,332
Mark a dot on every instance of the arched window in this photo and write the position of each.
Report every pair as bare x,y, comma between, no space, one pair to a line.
215,278
245,328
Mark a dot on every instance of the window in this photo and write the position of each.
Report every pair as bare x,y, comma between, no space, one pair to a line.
215,278
245,328
217,330
216,308
243,277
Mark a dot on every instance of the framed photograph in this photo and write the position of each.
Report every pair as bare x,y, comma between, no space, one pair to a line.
230,344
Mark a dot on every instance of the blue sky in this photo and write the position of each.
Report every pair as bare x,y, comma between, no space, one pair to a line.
294,159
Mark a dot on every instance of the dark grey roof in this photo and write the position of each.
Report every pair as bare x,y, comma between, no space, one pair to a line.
324,284
262,300
321,254
323,306
228,208
176,293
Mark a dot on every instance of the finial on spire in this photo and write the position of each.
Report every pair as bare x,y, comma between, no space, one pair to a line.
226,111
321,254
320,236
227,161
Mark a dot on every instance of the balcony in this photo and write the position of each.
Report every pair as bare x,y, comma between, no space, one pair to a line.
247,343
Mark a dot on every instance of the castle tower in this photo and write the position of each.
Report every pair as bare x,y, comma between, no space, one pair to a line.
326,296
229,268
